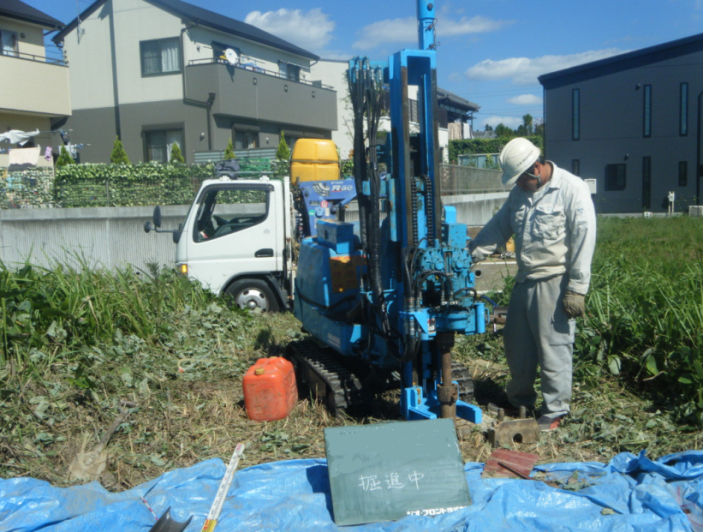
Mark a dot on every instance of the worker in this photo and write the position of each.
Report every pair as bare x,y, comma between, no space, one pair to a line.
551,215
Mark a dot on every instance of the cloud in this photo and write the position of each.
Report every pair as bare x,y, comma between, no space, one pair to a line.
404,30
510,121
524,71
310,30
387,31
526,99
466,26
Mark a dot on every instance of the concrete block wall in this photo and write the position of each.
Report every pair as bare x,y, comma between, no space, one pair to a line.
108,237
113,237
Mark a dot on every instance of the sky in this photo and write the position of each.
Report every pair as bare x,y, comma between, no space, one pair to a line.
490,51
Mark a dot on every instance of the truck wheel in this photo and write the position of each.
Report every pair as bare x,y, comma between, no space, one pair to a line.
252,294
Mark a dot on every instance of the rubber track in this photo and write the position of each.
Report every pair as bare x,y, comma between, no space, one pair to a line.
345,387
461,374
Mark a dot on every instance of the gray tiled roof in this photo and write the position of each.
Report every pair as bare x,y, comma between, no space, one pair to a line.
21,11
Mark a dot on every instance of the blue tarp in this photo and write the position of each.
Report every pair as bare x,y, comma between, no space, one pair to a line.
631,493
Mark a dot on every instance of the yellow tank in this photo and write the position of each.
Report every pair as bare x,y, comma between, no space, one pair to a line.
314,160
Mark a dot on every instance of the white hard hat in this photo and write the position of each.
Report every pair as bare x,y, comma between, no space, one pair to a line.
517,157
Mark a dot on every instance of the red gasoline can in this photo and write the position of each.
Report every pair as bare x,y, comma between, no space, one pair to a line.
270,391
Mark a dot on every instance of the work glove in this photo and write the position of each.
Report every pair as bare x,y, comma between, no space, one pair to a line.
574,304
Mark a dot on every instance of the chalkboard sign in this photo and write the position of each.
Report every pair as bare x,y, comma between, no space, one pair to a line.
387,471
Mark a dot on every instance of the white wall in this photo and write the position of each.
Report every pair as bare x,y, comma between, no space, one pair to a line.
333,73
113,236
136,21
90,63
33,40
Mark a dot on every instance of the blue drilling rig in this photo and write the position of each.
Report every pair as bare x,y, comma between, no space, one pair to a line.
384,298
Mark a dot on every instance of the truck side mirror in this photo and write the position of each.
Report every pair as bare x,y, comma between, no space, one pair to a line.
177,234
157,217
147,227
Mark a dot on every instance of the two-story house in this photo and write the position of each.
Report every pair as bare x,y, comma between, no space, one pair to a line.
633,123
35,89
158,72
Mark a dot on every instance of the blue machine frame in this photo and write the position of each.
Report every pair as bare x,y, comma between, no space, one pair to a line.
428,291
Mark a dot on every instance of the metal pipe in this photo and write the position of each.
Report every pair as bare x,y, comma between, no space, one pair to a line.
447,392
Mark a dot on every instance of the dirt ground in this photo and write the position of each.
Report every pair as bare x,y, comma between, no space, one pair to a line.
174,419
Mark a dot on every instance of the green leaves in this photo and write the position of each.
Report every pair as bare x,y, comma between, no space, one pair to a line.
644,310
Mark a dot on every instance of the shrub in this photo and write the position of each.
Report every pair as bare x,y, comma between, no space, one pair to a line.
474,146
283,151
64,158
229,151
176,155
118,155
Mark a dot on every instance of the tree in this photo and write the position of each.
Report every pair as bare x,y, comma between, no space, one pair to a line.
229,151
488,127
539,128
176,155
64,158
527,121
283,151
118,155
504,131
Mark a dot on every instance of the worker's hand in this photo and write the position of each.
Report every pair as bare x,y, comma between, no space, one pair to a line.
574,304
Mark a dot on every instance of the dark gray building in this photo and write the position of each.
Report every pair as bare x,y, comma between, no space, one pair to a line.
633,123
158,72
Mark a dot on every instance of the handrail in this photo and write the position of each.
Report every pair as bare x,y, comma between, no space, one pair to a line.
254,68
35,58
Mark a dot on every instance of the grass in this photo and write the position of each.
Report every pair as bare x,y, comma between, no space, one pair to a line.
82,347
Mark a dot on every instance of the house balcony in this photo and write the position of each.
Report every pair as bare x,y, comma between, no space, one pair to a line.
250,92
36,85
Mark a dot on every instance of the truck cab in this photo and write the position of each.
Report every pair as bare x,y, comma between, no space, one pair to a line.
236,241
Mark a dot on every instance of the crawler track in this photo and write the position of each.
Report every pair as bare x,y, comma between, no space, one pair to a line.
331,381
340,385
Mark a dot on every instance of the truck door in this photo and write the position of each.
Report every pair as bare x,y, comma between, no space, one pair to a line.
234,231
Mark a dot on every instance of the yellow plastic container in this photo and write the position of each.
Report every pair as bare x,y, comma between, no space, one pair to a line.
314,160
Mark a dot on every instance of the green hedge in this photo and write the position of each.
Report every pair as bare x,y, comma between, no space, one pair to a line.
118,185
125,185
27,188
474,146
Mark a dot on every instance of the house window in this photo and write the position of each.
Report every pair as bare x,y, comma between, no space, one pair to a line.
683,173
289,71
576,167
246,140
683,109
159,144
8,43
647,110
162,56
575,114
647,182
615,177
218,51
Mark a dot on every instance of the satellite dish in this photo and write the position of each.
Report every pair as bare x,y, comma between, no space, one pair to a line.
231,56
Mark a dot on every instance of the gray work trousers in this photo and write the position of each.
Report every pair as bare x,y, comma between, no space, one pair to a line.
538,331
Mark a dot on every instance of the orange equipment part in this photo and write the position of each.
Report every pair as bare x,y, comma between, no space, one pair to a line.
270,390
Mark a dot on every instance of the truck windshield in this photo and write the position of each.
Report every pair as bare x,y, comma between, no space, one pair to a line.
225,211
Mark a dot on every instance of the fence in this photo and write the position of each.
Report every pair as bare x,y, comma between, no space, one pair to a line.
479,160
457,180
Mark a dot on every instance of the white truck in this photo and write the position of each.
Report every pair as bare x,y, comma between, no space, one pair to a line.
237,240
